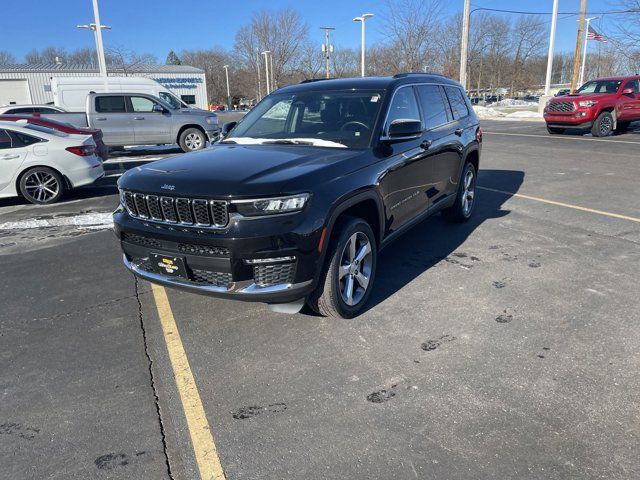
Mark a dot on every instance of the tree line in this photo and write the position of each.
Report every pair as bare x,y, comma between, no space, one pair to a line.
505,51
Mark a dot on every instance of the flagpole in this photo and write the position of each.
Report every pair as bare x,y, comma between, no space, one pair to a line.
584,53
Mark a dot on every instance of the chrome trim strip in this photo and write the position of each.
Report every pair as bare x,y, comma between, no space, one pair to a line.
236,287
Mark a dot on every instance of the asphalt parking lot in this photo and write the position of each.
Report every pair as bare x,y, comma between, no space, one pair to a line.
505,348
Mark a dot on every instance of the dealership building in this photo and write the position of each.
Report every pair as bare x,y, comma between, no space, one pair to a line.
31,84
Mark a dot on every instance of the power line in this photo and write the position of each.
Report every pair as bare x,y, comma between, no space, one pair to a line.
499,10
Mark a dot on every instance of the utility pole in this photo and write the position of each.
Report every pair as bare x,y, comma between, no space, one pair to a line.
464,43
266,69
259,81
584,54
226,71
97,28
362,19
576,56
273,83
552,41
327,48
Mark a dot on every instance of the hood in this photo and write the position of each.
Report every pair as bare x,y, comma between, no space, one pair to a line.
586,96
194,112
242,170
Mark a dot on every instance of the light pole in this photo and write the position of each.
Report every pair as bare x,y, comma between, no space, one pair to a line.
266,69
97,31
584,53
327,48
464,43
552,41
226,72
362,19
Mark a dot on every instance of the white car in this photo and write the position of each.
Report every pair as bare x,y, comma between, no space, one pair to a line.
29,109
40,163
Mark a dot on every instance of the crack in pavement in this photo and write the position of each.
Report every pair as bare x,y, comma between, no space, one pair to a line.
156,399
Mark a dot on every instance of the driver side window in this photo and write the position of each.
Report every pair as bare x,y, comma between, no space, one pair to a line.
404,106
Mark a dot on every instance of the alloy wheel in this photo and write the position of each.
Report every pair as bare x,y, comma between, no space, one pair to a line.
355,268
41,186
193,141
468,193
605,125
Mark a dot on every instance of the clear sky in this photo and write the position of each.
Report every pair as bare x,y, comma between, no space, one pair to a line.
156,26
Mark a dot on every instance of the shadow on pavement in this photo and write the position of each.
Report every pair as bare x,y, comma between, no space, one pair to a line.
434,239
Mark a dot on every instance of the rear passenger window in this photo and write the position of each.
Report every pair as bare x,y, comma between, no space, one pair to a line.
110,105
434,108
21,110
457,101
403,107
5,140
26,140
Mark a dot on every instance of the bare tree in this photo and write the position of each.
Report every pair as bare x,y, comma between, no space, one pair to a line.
127,61
6,58
345,62
83,56
47,55
212,62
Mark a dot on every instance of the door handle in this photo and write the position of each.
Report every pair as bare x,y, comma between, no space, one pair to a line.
10,156
426,144
101,118
459,131
138,118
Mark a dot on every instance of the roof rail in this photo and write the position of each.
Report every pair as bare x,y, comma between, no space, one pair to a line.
309,80
410,74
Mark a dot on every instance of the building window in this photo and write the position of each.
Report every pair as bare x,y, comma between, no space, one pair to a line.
188,99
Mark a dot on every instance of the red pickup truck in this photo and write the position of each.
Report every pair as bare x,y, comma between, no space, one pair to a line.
603,105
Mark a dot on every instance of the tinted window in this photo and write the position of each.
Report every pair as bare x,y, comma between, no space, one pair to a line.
142,104
403,106
188,99
44,110
25,140
5,140
20,110
434,108
457,102
633,84
110,105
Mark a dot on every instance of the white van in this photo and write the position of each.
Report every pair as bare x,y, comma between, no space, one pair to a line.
71,93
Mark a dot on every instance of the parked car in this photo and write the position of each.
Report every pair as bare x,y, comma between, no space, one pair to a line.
295,203
602,106
101,149
142,119
40,163
562,92
29,109
70,93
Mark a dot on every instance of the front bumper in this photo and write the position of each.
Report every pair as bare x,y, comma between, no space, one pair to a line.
217,261
580,118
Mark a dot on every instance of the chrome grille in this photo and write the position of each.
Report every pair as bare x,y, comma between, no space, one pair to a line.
561,107
266,275
198,212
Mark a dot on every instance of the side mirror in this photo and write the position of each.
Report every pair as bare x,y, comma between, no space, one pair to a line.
227,127
404,129
628,91
158,108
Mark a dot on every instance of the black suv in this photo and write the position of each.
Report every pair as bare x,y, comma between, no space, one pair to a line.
296,201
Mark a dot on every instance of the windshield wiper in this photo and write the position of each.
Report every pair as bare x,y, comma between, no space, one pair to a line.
285,141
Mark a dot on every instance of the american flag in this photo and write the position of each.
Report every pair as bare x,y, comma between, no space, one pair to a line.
593,35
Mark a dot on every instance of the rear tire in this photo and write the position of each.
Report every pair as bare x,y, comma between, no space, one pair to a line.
603,126
555,130
192,139
347,278
41,185
465,203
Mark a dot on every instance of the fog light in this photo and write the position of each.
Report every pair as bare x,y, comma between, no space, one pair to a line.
581,114
256,261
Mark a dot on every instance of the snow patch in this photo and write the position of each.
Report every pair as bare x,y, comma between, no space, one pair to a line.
89,221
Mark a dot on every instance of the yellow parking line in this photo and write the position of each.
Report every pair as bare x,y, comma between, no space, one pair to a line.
204,447
567,205
560,137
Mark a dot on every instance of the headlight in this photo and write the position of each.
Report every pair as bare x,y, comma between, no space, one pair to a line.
212,120
270,206
586,103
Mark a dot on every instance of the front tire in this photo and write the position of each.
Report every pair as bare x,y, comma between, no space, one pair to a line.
603,126
347,279
41,185
465,202
192,139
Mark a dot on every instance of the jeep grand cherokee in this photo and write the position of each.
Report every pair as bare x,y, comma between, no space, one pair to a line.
295,203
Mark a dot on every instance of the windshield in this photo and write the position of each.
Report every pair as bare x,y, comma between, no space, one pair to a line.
172,100
600,86
328,119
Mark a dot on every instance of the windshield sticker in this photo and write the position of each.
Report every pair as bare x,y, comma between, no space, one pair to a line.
375,98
